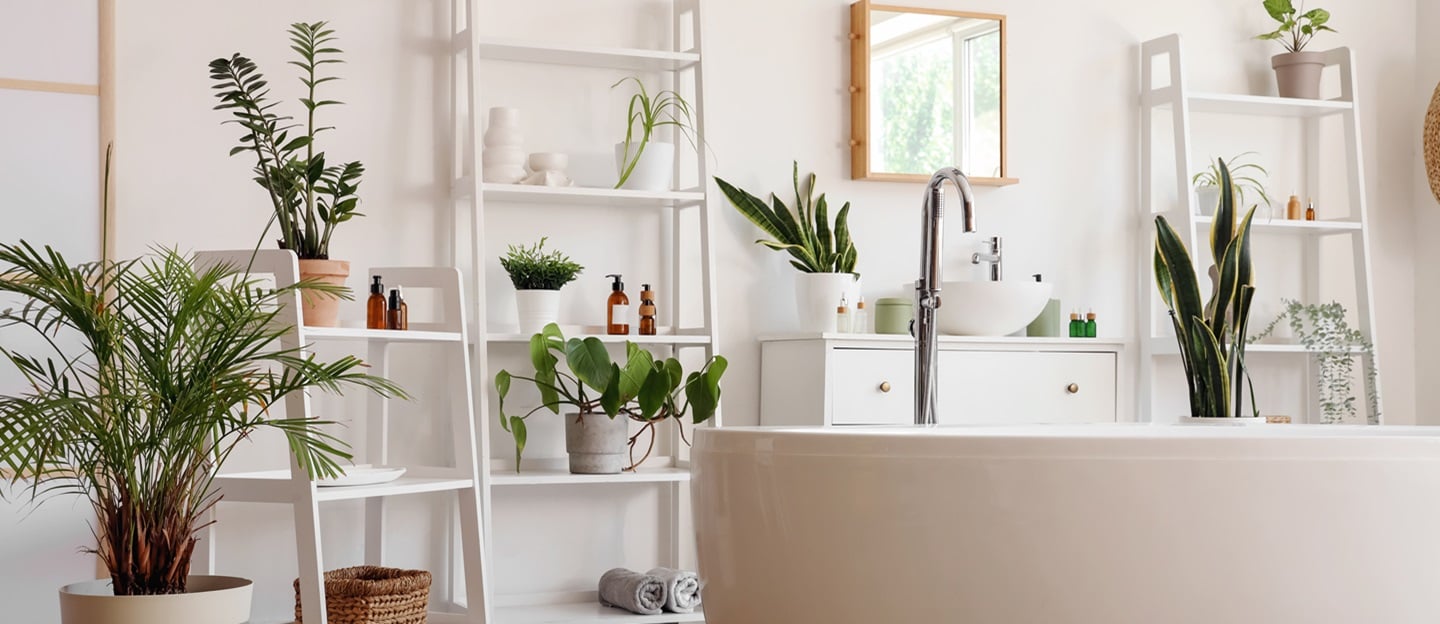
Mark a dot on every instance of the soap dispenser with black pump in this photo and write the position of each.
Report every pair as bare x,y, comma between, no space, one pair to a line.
617,308
375,306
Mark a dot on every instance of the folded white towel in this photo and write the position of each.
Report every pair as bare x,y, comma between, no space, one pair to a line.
682,593
635,592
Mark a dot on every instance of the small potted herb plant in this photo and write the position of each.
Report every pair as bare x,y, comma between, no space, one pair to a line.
1297,72
538,275
642,161
605,395
1242,174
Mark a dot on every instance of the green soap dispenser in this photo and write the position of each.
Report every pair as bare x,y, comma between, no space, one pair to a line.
1047,325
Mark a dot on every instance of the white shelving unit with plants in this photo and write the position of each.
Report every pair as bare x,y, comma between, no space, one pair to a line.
449,337
476,201
1159,96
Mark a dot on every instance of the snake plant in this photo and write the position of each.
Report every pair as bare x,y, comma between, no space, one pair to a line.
1211,334
806,233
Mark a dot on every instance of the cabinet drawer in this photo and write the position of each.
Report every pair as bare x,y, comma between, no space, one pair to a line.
1024,387
872,387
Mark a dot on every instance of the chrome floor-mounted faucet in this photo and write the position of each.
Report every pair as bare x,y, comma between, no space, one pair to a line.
927,288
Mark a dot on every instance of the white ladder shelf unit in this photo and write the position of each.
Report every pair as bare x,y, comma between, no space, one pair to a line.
682,65
293,486
1184,216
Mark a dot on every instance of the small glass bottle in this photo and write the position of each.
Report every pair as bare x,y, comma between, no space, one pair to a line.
842,317
395,314
647,310
375,305
1310,210
1090,324
1292,209
861,323
1077,328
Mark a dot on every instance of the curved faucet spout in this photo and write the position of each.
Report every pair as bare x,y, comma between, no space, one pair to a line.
927,288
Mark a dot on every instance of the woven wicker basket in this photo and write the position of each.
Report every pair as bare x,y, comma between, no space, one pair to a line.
1432,144
373,595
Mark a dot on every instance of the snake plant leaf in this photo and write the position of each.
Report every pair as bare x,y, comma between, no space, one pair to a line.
794,232
844,246
1242,238
755,211
1222,231
826,250
590,362
1214,371
1162,280
1237,349
1184,287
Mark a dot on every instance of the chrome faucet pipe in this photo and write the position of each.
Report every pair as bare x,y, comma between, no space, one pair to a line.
994,257
927,288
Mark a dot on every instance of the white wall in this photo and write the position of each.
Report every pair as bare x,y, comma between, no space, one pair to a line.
1427,214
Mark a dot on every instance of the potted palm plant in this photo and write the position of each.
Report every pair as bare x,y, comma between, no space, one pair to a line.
1297,72
822,251
153,373
538,276
310,195
643,161
606,395
1211,334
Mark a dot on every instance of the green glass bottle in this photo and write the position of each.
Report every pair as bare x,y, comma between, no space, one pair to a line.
1077,327
1090,324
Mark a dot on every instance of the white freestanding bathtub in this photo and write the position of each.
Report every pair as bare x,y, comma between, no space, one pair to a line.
1104,524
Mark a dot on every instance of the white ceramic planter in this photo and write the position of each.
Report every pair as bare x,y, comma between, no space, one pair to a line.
1207,198
537,308
210,600
1244,421
817,295
654,172
596,443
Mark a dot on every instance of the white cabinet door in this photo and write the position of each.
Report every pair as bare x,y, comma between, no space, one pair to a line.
1026,387
872,387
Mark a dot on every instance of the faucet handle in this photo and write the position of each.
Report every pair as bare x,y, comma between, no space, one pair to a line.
994,244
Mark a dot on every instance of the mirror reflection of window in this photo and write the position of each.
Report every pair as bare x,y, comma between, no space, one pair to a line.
935,93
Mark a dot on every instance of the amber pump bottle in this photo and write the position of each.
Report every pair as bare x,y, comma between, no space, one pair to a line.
375,306
647,310
617,308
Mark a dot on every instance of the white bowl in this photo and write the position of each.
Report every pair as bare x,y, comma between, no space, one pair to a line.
549,161
989,308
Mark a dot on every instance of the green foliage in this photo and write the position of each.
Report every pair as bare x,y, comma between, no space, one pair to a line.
641,388
1211,334
533,268
647,113
917,109
310,197
151,374
1324,331
1240,174
806,233
1296,27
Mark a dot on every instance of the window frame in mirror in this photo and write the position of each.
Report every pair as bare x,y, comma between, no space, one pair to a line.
860,97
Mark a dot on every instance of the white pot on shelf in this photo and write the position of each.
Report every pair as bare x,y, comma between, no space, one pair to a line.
207,600
654,172
1242,421
1206,199
817,295
536,308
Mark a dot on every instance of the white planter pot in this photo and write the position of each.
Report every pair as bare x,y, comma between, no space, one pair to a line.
656,168
1206,199
537,308
818,294
596,443
209,600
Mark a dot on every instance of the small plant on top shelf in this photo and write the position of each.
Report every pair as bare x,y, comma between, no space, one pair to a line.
643,161
1242,174
1296,27
538,276
641,388
1325,332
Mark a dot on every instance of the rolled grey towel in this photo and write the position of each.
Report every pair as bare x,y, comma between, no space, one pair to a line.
682,589
632,591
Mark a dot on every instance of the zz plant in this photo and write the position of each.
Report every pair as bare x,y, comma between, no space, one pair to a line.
1324,331
641,388
1211,334
815,244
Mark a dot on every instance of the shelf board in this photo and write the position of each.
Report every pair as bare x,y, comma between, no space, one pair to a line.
1165,345
380,335
587,195
584,613
560,476
1292,227
637,59
274,486
1015,343
663,339
1229,104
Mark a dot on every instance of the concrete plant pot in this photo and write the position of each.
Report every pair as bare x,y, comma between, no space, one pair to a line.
208,600
596,443
319,309
1298,74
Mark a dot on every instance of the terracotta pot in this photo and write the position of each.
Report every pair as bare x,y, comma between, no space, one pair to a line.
321,309
1298,74
208,600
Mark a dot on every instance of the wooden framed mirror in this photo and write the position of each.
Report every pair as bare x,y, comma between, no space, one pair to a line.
927,90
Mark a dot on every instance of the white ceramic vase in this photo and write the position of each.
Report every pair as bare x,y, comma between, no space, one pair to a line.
536,308
502,161
596,443
817,295
654,172
208,600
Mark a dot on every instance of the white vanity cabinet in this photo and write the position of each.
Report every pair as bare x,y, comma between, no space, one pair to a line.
839,379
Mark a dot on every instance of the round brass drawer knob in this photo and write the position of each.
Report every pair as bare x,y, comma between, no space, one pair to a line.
1073,388
884,386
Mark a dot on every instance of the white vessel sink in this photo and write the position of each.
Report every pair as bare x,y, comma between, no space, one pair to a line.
989,308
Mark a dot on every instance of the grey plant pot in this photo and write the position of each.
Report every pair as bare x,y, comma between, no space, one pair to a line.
1298,74
596,443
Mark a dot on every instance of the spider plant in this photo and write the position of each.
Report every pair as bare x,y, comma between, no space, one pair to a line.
1211,334
151,374
806,233
646,114
1243,174
309,196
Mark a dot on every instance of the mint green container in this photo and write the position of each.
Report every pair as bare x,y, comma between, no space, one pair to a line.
893,315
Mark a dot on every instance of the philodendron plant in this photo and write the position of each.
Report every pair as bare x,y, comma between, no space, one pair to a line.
806,233
1211,334
641,388
1296,27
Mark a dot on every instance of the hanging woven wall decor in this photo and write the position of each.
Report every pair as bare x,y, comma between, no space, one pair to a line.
1432,144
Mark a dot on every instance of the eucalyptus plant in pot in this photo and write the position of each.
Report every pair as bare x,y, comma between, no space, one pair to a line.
538,276
606,395
1325,332
642,160
151,374
820,249
1297,72
1211,335
310,195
